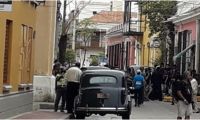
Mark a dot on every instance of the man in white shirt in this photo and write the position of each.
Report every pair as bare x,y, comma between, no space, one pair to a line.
194,85
72,77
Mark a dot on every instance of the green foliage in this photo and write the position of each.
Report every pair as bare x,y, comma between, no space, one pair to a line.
157,61
157,13
86,29
85,32
94,61
70,56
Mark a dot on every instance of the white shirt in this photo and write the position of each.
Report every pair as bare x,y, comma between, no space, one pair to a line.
194,85
73,74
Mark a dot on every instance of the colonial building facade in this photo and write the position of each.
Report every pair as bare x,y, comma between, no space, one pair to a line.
26,49
187,39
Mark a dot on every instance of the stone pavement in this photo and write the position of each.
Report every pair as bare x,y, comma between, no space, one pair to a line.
42,114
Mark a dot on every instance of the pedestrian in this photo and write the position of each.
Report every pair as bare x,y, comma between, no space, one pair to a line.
60,88
194,85
56,67
72,77
174,83
156,79
148,87
184,97
138,82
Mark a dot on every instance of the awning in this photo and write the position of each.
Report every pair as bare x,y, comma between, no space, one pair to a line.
183,52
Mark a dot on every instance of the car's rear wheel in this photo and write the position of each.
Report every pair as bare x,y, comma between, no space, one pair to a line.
126,116
80,116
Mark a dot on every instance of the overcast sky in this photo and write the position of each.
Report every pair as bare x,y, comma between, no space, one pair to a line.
71,6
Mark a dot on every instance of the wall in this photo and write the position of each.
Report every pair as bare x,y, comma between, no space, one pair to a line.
22,13
188,26
45,38
43,81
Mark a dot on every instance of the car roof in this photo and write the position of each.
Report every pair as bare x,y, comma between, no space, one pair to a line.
105,72
95,67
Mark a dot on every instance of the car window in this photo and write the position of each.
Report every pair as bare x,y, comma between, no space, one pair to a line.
98,80
103,80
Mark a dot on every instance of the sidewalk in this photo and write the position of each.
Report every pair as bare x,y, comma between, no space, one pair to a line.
42,114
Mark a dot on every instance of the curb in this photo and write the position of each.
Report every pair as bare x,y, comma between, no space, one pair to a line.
169,99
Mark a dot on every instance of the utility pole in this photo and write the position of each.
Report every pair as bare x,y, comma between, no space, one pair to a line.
74,28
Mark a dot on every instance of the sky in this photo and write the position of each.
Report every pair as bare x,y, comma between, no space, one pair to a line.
88,12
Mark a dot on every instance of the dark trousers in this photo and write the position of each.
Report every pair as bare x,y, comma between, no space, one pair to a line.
138,96
60,93
72,90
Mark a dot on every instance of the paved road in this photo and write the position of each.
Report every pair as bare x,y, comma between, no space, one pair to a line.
150,110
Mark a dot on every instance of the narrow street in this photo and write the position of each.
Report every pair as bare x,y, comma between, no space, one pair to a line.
150,110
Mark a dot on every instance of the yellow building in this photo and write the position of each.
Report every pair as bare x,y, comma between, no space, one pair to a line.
43,81
149,52
17,45
27,35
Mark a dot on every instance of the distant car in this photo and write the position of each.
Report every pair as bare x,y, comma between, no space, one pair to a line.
103,92
93,68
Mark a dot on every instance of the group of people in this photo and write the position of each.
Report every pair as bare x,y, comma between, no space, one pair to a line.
66,86
153,84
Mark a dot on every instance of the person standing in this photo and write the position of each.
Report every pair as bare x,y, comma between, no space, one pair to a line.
60,88
156,79
138,82
194,85
184,97
56,68
72,77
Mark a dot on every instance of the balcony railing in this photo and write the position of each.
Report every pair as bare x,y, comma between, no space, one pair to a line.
121,28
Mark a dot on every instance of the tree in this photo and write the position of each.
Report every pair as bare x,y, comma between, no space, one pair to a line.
85,32
70,56
157,13
66,26
94,61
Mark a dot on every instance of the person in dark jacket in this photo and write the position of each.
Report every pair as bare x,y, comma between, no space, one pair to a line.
60,88
156,79
184,97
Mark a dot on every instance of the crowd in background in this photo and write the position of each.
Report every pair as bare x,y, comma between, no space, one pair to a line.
150,83
161,81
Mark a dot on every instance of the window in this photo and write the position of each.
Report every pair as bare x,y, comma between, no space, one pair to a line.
26,54
7,51
188,53
103,80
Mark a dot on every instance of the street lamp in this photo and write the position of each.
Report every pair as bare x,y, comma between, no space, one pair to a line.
148,45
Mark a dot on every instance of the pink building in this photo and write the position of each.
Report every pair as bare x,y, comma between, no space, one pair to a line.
187,51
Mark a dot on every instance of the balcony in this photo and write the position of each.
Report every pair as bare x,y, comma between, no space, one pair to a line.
125,30
92,45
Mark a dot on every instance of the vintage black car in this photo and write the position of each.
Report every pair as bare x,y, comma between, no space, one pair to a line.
103,92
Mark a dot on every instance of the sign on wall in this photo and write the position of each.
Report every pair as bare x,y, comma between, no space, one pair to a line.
6,5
